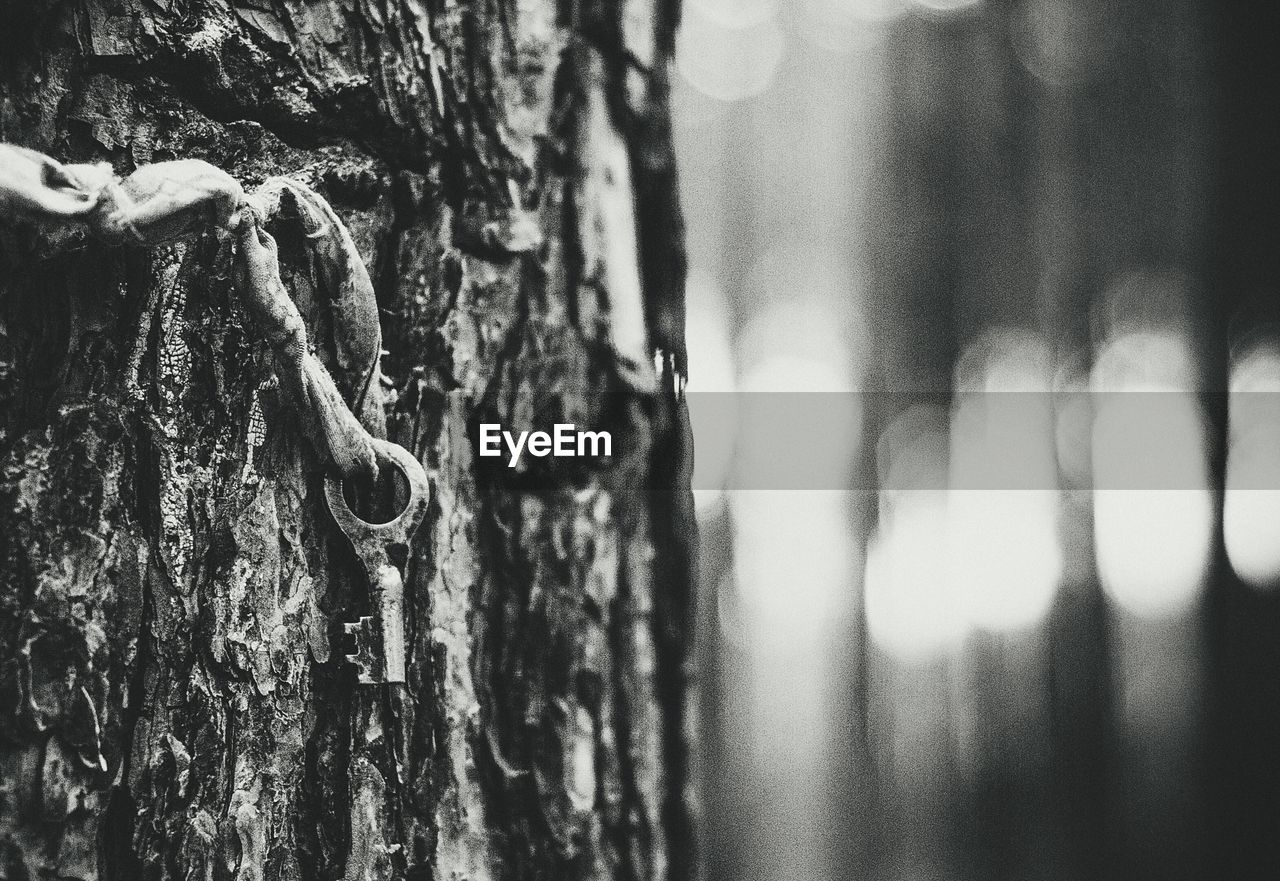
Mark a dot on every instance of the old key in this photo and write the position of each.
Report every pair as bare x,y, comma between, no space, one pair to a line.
379,638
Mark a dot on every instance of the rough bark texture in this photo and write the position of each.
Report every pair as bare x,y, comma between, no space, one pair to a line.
173,703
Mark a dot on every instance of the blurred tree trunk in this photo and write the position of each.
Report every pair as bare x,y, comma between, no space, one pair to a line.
173,700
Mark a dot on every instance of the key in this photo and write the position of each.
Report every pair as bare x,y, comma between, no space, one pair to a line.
379,639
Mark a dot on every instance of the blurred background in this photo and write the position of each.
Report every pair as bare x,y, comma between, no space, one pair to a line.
1009,269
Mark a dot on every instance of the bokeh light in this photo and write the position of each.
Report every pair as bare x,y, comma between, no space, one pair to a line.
710,392
1251,506
1065,43
1153,511
734,13
729,58
846,26
909,597
946,6
1002,542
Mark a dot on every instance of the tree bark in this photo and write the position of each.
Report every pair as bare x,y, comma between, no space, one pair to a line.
173,699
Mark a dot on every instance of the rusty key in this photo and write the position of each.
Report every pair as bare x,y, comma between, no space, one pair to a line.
379,638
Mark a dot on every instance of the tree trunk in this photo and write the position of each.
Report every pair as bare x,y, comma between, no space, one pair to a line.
174,703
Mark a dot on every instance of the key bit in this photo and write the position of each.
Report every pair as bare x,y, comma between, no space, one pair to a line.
379,637
364,659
